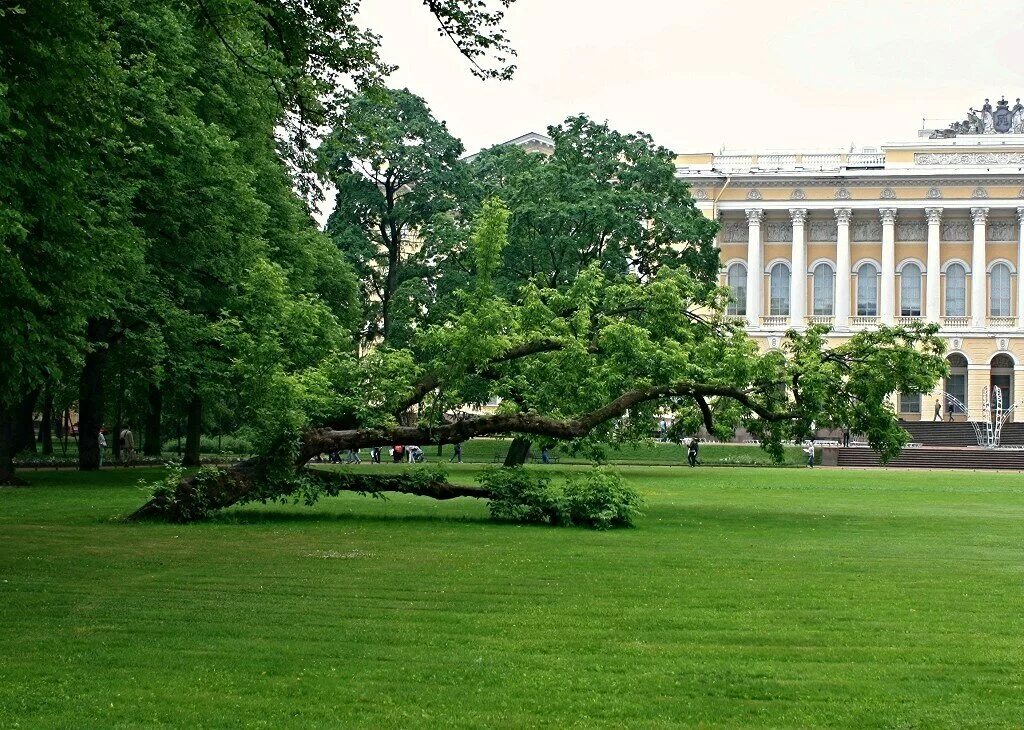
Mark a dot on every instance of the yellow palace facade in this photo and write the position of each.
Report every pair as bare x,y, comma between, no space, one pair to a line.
927,230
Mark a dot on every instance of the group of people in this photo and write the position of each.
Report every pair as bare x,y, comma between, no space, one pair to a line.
399,453
126,444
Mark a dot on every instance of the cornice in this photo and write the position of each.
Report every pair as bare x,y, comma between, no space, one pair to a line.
756,181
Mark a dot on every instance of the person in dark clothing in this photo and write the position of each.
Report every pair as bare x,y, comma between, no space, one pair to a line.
457,456
692,451
398,452
846,437
545,455
375,455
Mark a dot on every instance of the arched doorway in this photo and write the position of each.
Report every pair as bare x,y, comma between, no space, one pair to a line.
956,386
1001,376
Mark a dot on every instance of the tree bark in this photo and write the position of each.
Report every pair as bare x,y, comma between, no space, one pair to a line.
152,444
24,430
46,425
518,450
7,475
91,396
193,431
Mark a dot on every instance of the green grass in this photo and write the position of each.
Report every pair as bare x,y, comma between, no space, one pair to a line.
745,598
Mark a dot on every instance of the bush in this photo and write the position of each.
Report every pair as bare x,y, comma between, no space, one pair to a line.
519,496
228,444
601,498
184,501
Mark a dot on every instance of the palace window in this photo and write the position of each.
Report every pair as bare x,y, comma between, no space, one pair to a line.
999,291
824,289
867,291
910,291
910,403
779,277
956,291
736,279
956,383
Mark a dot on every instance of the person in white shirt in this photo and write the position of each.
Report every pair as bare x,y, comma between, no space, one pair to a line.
102,441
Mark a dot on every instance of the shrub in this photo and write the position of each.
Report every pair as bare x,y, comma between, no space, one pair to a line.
185,501
519,496
600,498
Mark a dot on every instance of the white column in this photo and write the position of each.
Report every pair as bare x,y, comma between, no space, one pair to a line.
887,298
1020,272
798,282
755,277
933,306
979,275
843,268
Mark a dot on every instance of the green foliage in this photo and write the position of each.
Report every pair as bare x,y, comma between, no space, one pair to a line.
178,500
519,495
600,498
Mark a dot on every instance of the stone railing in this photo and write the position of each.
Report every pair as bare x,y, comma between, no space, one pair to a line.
956,322
865,159
1002,322
774,320
820,319
905,320
862,321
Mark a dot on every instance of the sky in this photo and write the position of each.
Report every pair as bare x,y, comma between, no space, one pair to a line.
700,76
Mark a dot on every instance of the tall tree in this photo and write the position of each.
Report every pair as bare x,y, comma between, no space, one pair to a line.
395,168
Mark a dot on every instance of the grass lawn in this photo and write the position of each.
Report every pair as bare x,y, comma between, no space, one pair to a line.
745,597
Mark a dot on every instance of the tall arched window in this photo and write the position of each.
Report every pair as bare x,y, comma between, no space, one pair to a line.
999,291
779,276
867,291
910,291
956,291
824,289
736,280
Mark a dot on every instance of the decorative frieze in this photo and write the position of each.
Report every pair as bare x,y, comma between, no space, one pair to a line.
798,194
866,229
822,231
968,158
911,230
778,232
934,194
979,193
754,194
735,232
956,230
700,194
1001,230
887,194
842,194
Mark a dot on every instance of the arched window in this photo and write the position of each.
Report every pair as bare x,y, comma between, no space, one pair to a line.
867,291
824,289
736,279
956,290
910,291
999,291
956,383
779,290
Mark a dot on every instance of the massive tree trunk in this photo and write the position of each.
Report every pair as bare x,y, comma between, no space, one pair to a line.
152,444
232,484
24,429
193,431
518,450
46,424
7,475
91,396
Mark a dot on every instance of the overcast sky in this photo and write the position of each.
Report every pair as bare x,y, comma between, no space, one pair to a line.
775,74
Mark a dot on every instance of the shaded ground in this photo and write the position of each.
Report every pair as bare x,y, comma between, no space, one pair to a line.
751,597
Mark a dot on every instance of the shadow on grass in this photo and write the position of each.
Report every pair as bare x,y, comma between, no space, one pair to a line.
269,516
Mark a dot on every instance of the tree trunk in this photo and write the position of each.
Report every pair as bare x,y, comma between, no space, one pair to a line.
235,482
7,475
24,430
91,397
152,444
517,452
193,431
46,425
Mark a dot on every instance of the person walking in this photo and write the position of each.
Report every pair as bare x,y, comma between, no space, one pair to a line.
809,450
457,456
397,453
375,455
353,457
938,411
692,451
102,441
545,455
127,441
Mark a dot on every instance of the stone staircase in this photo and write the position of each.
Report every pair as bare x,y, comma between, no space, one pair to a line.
932,457
938,433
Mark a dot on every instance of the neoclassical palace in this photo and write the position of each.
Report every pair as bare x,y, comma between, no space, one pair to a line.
929,229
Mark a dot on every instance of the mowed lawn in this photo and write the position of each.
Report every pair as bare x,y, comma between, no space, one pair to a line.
745,597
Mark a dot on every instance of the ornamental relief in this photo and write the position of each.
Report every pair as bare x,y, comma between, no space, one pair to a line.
1001,230
754,194
798,194
934,193
956,231
968,158
824,231
866,230
735,232
778,232
911,230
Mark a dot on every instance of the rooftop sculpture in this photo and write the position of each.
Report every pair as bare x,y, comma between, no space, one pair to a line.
1002,120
